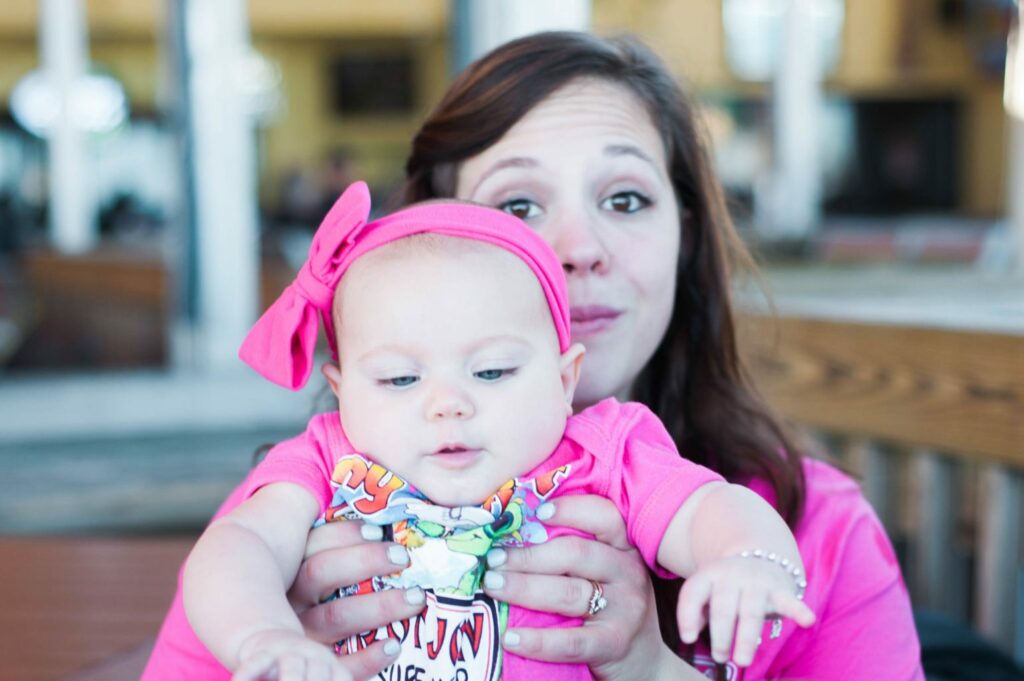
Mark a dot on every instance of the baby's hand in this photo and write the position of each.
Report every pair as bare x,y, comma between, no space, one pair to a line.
285,655
742,591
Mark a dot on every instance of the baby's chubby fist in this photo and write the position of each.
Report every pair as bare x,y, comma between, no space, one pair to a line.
285,655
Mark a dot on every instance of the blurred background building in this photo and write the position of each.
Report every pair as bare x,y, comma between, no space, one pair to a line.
164,163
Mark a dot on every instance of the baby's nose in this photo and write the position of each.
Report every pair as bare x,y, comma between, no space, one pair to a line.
450,404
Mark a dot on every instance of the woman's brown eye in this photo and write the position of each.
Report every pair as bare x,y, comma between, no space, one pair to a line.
627,202
521,208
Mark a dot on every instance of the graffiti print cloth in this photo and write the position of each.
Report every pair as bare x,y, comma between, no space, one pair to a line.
457,635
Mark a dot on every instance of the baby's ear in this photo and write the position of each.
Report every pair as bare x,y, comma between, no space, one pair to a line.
569,367
333,375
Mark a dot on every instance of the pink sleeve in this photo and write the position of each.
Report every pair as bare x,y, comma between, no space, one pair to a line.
296,461
303,460
865,628
177,652
650,481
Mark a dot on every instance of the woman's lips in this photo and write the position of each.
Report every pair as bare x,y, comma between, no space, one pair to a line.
588,320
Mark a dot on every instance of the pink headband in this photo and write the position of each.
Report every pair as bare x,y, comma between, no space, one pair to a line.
280,346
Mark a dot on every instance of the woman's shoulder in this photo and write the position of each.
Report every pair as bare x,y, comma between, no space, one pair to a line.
830,495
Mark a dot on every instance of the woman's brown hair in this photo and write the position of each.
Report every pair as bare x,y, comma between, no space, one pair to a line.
695,381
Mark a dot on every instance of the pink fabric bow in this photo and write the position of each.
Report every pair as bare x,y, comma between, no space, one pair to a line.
280,346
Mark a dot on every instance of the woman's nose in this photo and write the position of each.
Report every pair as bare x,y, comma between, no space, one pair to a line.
449,403
580,249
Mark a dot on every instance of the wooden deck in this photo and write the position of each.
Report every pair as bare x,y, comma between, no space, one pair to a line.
84,609
923,400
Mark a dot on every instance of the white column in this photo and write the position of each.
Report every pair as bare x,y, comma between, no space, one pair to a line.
1013,99
64,55
483,25
1015,190
224,171
795,186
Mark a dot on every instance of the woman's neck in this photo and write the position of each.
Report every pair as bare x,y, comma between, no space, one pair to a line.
623,395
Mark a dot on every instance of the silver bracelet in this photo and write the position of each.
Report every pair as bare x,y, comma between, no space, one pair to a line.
793,571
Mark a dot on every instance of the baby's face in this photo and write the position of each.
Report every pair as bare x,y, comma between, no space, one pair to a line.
450,372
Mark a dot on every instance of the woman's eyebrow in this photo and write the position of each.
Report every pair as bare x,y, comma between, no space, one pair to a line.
512,162
630,150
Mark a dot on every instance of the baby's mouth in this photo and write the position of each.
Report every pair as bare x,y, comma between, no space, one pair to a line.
455,455
452,449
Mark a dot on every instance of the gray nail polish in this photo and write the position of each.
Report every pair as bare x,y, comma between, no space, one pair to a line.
398,555
372,532
496,558
511,639
545,511
415,596
392,647
494,580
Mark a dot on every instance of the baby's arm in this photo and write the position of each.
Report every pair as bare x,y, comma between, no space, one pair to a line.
235,582
703,543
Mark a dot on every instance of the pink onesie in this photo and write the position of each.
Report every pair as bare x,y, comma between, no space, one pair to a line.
619,451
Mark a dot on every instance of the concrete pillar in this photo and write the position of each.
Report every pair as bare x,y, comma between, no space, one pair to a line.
791,207
480,26
1013,99
1015,191
65,58
223,163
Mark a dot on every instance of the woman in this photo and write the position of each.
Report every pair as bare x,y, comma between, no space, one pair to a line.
594,145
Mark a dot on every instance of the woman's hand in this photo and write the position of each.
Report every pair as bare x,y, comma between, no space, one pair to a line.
341,554
622,641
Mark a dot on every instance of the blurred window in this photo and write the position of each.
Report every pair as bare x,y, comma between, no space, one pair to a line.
367,83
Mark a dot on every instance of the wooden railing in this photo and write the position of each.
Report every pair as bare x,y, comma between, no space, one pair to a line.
932,422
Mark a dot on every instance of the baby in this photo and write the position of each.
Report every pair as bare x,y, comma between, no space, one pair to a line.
454,378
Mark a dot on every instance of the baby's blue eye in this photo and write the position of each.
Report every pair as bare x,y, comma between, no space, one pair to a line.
402,381
492,374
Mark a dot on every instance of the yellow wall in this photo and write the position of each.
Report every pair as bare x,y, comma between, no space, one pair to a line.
882,55
307,129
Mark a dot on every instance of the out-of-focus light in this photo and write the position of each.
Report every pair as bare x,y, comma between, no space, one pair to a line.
259,84
755,29
1013,85
97,103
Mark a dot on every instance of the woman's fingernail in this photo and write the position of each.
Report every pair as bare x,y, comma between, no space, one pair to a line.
372,532
415,596
545,511
398,555
496,558
494,580
511,639
392,647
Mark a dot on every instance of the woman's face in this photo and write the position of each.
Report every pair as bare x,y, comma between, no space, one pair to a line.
586,168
